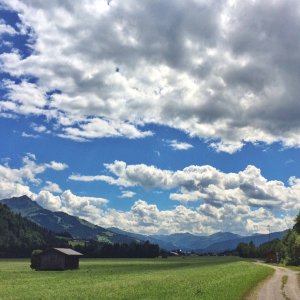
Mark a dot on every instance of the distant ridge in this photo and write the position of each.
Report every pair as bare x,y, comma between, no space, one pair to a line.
81,229
188,241
215,243
152,239
257,239
62,222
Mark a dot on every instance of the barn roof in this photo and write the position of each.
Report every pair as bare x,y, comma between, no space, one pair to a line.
68,251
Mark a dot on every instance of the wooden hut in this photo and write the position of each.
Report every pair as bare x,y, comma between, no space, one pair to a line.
58,259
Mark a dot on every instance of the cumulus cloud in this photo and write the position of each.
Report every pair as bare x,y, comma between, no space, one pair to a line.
27,173
175,145
225,71
237,202
79,205
29,135
48,200
52,187
57,166
206,183
6,29
38,128
16,182
85,207
206,219
127,194
13,189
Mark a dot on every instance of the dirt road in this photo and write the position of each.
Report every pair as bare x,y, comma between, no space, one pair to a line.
283,285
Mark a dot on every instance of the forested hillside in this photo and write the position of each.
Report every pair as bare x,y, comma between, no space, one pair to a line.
61,222
19,236
288,247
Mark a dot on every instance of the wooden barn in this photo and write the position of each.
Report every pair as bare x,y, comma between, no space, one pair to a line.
58,259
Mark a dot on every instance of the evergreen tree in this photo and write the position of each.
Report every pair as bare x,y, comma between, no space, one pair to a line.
19,236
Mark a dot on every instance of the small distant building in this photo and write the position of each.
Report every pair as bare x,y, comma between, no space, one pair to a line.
57,259
272,257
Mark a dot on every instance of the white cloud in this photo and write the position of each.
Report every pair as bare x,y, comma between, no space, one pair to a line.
206,183
15,182
28,135
220,73
206,219
13,189
57,166
127,194
28,172
230,147
175,145
48,200
238,202
38,128
6,29
86,207
52,187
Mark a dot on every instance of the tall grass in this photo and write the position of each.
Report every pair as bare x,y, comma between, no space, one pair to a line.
172,278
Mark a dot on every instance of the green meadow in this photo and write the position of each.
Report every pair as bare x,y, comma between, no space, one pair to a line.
172,278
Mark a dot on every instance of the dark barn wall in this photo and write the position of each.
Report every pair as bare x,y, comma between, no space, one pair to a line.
71,262
52,261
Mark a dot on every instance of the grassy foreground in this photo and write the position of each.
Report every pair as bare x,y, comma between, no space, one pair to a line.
172,278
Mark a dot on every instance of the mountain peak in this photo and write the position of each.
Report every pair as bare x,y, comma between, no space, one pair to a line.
22,204
20,198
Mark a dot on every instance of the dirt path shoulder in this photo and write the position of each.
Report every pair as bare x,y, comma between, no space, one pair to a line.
283,285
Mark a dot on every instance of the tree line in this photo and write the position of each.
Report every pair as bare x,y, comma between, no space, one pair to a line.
288,248
96,249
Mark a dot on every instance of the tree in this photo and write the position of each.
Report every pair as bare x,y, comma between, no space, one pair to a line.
292,243
252,250
297,224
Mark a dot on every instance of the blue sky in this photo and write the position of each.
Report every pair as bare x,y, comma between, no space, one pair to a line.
153,117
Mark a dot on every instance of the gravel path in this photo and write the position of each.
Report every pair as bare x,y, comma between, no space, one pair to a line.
283,285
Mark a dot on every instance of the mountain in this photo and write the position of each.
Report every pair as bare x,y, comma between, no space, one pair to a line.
257,239
215,243
62,222
19,236
183,241
81,229
162,244
188,241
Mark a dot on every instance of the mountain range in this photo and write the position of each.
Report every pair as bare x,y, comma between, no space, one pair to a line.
62,222
81,229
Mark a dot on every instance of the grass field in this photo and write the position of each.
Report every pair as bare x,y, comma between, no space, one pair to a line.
172,278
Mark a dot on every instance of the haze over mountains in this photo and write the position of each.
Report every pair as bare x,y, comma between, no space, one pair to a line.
81,229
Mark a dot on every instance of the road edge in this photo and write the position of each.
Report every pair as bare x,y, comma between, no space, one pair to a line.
252,295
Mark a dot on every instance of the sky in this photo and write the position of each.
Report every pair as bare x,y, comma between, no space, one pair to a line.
153,116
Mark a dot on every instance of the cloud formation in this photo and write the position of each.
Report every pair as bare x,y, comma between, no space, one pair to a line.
29,170
127,194
243,202
207,184
17,181
175,145
225,71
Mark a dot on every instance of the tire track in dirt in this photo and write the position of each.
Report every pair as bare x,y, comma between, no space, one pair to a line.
283,285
